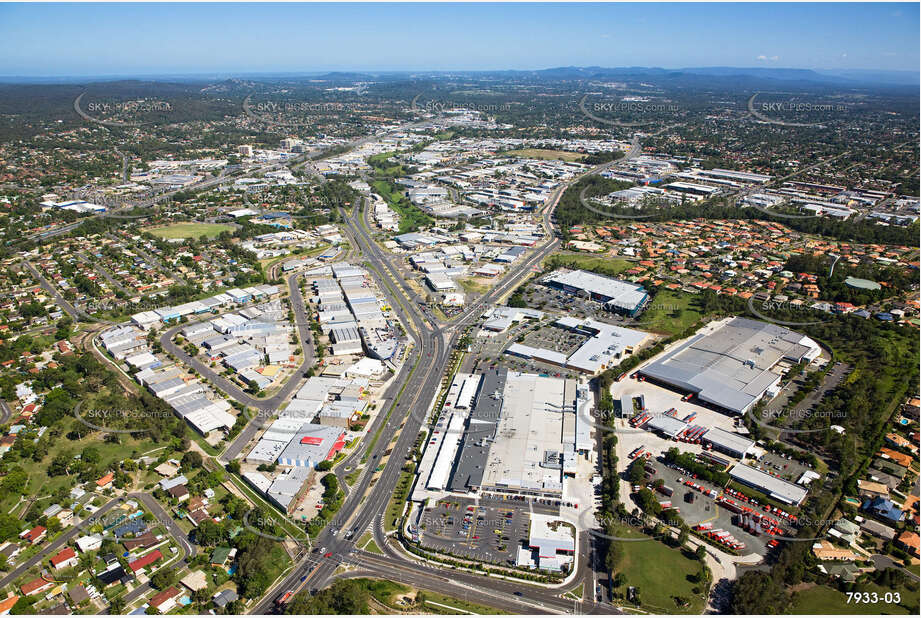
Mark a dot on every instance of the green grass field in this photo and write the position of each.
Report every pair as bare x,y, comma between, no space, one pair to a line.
608,266
827,600
190,230
411,218
366,542
670,312
473,285
659,573
43,485
539,153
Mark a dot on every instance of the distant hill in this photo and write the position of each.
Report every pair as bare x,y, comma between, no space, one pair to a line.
748,74
744,77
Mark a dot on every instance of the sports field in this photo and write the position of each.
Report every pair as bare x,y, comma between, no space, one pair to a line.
539,153
189,230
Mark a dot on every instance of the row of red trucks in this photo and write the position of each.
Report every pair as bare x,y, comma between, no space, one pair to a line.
691,434
640,419
639,452
723,537
773,510
765,523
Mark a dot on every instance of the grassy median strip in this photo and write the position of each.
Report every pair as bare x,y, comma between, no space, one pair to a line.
396,399
438,603
398,499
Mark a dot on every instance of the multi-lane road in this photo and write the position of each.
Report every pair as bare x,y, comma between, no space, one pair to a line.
363,509
410,395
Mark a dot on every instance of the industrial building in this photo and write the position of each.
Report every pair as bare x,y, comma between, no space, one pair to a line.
312,444
551,544
733,363
694,190
667,425
502,318
449,429
607,345
771,486
523,435
727,442
618,296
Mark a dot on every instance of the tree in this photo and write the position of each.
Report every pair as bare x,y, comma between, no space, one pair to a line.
191,460
701,552
614,557
117,606
208,533
757,592
163,579
343,597
637,472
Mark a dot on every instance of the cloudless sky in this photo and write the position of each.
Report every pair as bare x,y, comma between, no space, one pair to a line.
137,39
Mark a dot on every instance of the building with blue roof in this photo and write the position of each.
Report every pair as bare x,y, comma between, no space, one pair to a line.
883,508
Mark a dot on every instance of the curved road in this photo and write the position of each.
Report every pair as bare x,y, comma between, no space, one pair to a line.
268,406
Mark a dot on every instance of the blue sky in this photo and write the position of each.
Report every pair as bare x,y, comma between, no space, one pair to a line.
137,39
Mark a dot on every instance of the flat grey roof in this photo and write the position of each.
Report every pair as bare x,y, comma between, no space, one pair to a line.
774,487
623,293
730,366
669,425
481,429
729,441
531,428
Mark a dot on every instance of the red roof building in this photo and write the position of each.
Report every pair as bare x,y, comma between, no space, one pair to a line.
145,560
36,586
34,535
65,558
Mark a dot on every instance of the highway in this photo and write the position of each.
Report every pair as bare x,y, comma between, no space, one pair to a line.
419,387
411,395
434,347
364,509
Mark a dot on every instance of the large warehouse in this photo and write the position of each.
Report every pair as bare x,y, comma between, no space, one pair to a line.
619,296
773,487
731,364
606,346
523,436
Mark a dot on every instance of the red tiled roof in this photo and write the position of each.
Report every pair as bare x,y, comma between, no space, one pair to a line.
145,560
63,556
159,599
34,585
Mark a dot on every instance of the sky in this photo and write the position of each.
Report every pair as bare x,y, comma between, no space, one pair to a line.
41,40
